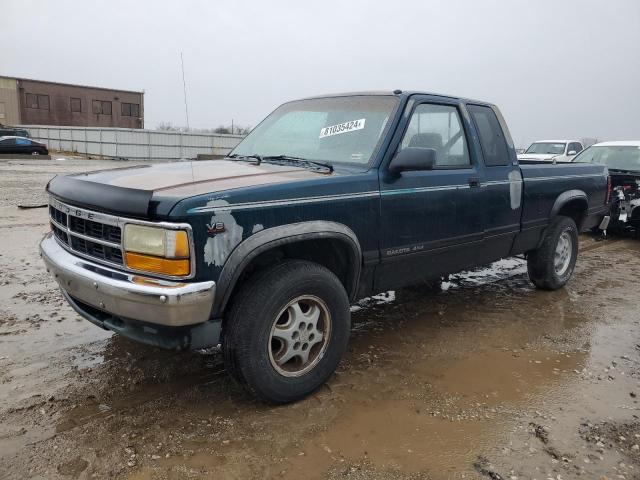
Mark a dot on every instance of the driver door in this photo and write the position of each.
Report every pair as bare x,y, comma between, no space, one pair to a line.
432,221
8,145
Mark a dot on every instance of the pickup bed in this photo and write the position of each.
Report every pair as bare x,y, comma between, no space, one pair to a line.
328,200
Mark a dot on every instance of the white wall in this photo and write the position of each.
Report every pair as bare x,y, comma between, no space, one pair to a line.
133,144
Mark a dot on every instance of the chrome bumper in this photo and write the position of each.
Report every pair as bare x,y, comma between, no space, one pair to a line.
127,295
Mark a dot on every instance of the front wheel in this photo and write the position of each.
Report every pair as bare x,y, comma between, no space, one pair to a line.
287,330
550,267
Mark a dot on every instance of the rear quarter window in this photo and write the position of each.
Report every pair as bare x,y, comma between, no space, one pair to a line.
492,138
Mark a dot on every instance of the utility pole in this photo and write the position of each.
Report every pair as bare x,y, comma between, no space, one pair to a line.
184,88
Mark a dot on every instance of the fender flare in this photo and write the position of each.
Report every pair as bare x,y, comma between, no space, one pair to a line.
563,199
274,237
566,197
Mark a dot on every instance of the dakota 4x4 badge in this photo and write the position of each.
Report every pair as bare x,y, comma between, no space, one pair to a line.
342,128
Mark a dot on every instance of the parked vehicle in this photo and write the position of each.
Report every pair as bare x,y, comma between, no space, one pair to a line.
6,131
623,162
22,145
552,150
328,200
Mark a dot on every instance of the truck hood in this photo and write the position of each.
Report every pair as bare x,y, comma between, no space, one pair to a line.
536,156
130,190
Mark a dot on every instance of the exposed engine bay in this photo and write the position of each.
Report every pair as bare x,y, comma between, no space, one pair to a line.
625,200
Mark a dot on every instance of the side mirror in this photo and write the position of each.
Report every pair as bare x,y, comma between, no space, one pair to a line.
412,158
571,152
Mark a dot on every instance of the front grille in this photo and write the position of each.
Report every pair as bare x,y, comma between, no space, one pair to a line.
58,216
96,250
95,229
60,234
88,237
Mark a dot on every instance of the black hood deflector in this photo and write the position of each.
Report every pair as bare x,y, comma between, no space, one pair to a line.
101,196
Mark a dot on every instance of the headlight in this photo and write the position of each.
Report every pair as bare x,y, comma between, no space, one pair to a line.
156,250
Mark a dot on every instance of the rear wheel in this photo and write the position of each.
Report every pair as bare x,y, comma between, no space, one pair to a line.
550,267
287,331
35,152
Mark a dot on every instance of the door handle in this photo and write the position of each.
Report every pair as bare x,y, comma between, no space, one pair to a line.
474,182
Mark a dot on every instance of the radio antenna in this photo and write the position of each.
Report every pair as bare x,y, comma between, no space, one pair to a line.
184,88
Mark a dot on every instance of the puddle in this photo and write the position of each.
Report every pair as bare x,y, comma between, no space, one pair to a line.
396,435
499,376
433,381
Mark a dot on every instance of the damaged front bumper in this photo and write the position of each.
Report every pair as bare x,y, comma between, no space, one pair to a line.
163,313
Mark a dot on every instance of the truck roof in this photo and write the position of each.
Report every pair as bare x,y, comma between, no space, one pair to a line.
556,141
398,92
620,143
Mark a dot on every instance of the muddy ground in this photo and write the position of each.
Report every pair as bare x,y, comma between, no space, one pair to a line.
487,378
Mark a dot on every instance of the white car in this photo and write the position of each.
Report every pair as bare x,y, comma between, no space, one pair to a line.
552,150
623,161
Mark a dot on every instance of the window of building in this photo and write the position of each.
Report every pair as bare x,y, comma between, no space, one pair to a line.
32,100
438,127
130,110
37,101
101,107
43,102
76,105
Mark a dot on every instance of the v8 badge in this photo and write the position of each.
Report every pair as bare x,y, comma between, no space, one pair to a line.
215,229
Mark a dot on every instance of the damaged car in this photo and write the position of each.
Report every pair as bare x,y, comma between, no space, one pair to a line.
623,162
330,199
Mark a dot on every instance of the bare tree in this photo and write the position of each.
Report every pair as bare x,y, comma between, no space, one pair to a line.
232,129
222,129
240,130
167,127
588,141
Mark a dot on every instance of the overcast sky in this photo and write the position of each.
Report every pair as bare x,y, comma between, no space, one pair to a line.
556,68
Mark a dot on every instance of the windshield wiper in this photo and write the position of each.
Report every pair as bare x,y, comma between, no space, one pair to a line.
256,158
287,159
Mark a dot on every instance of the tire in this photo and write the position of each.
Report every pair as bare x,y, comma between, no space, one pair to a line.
550,267
35,152
264,312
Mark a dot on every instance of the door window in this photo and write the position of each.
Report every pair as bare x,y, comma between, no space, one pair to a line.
494,146
575,147
438,127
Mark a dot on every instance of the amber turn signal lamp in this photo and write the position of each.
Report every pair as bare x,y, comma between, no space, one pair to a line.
181,249
163,266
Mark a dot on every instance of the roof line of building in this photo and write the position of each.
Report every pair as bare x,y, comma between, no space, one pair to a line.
73,85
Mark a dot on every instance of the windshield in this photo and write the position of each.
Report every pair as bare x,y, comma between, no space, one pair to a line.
546,148
330,130
618,157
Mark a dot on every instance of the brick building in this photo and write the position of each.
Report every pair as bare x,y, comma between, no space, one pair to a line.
36,102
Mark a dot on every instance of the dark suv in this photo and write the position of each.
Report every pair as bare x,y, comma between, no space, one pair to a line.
6,131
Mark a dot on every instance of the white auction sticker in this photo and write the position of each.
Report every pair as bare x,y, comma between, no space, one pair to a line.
342,128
